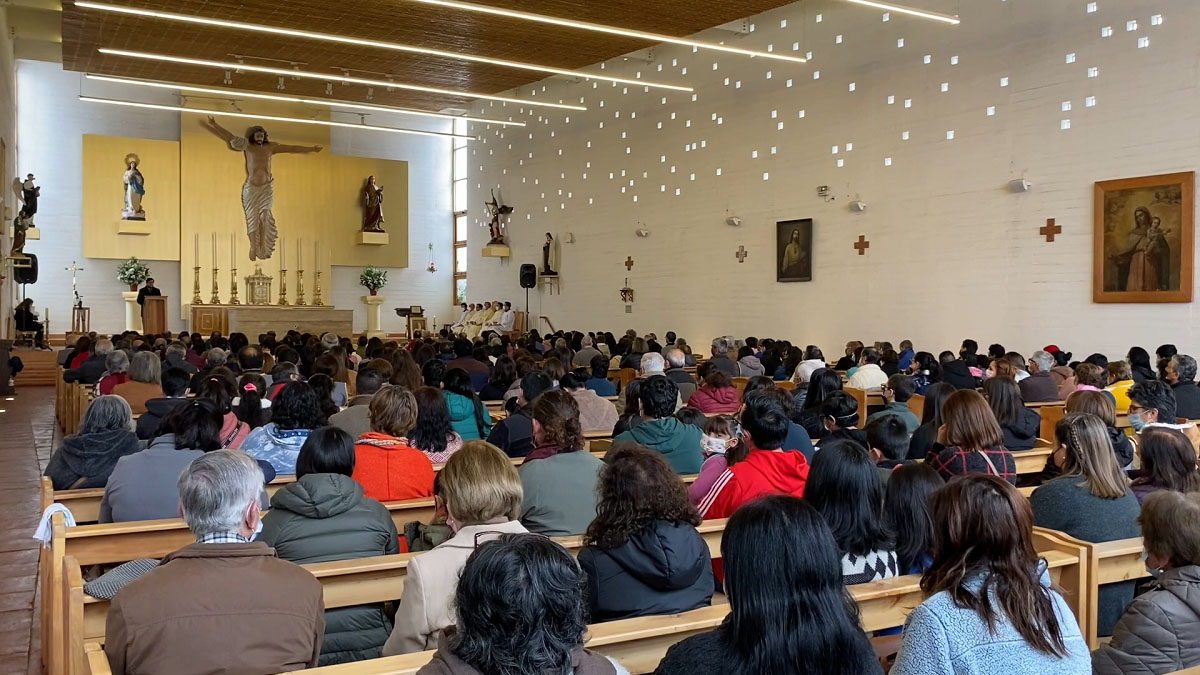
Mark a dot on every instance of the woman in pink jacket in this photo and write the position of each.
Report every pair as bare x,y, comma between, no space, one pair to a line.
718,395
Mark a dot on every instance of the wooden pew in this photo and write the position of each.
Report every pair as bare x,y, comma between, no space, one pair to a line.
1031,461
84,505
916,406
356,582
1051,414
640,643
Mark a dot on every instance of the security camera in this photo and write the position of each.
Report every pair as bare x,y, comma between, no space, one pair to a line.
643,233
1020,185
733,221
858,206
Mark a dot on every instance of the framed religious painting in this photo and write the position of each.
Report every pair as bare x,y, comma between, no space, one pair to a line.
793,250
1143,233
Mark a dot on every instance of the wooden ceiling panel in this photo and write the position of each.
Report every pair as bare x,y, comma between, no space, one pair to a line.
402,21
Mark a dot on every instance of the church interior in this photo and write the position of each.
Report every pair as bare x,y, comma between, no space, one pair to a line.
612,196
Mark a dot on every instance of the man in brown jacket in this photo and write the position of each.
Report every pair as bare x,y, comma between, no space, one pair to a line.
225,603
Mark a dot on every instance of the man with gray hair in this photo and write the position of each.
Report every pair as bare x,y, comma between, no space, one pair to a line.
1181,375
224,603
583,357
720,357
177,358
1039,386
213,358
91,370
676,360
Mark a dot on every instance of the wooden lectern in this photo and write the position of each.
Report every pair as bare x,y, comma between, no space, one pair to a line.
154,315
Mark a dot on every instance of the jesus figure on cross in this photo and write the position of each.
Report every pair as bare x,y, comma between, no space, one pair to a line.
258,192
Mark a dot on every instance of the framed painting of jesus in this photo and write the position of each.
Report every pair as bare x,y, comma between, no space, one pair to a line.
1143,234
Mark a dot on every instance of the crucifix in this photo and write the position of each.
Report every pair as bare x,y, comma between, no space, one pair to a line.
1050,230
741,254
862,245
629,262
73,269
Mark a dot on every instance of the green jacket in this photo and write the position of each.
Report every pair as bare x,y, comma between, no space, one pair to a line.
895,408
324,517
677,441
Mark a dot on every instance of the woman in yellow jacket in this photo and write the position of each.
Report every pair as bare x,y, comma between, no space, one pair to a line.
1121,377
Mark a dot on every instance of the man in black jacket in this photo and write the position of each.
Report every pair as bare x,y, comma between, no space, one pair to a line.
174,386
956,372
1039,386
720,357
1181,375
514,435
91,370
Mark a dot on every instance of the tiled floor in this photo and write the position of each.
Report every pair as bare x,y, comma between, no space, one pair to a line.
27,437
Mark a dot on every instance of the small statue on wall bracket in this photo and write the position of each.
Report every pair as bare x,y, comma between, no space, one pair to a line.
27,194
548,257
497,211
135,189
372,206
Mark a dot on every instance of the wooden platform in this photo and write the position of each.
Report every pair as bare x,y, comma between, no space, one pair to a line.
40,367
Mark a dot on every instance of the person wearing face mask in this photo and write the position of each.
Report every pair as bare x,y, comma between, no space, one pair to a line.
480,492
1090,500
1152,404
1156,633
839,414
722,447
224,603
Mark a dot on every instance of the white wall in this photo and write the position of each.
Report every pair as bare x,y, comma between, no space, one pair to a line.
50,125
953,254
430,221
51,122
8,132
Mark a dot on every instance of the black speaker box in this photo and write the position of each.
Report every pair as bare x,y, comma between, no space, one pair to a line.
528,276
27,275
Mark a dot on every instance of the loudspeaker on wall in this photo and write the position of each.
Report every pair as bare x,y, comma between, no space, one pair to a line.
528,276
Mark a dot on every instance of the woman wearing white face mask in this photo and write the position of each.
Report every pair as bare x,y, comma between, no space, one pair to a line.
723,447
480,491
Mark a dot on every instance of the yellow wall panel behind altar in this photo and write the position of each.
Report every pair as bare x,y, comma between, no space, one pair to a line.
316,205
104,198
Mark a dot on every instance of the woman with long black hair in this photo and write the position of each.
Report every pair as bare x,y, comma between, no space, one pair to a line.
906,514
790,613
845,487
824,382
468,415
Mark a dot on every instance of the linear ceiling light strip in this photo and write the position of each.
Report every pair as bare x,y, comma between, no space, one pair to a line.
296,99
900,9
273,118
612,30
334,77
238,25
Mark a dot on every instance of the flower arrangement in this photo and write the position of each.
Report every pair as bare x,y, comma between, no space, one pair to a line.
373,279
133,272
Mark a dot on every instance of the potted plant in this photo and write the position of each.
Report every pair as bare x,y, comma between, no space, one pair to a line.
133,272
373,279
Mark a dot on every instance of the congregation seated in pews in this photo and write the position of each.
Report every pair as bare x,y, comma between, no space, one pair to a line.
394,453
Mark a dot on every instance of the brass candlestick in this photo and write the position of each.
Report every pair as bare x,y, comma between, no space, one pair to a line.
216,297
283,301
196,299
233,296
300,288
317,302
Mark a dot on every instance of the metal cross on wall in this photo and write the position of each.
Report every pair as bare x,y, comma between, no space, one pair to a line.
741,254
629,263
862,245
1050,230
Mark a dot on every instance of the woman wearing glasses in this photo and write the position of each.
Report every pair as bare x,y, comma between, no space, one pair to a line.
480,492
